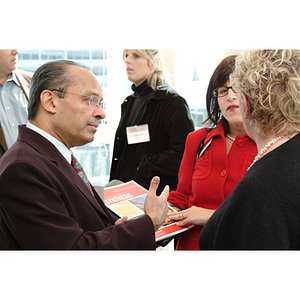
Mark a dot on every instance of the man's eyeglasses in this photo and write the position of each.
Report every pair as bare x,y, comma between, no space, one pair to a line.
223,91
94,101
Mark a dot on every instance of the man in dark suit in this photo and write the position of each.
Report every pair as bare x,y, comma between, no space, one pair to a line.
44,204
14,95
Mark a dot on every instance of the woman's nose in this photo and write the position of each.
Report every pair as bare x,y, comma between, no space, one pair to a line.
232,95
128,60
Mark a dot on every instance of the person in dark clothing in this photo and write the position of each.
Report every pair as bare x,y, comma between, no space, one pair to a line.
46,199
154,124
263,211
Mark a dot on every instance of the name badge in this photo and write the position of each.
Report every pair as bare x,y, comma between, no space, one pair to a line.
138,134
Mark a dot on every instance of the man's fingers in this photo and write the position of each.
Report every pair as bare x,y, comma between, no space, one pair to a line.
154,184
122,220
165,192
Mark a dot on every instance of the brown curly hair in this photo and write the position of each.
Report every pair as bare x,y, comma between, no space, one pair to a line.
270,79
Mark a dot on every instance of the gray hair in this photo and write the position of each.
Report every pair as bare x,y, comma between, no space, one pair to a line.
51,75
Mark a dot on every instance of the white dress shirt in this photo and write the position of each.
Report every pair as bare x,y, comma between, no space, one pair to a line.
65,152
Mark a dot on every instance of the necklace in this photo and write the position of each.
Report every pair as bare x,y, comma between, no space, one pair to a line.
265,149
230,137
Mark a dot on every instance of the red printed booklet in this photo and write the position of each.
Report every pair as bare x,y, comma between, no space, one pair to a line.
127,199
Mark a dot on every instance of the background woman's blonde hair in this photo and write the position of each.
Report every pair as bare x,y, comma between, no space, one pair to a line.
270,79
158,77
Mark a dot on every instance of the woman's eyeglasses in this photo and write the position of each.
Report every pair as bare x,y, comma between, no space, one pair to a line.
223,91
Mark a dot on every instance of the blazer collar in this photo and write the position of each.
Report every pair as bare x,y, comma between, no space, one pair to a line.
50,152
219,131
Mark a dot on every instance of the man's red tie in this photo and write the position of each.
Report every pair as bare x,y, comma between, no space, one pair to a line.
78,168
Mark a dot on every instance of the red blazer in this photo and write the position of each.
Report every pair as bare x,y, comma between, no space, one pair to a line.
208,183
44,204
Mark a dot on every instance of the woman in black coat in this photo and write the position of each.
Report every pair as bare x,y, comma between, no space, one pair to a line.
154,124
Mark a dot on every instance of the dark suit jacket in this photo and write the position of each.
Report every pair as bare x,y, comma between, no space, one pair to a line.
24,79
44,204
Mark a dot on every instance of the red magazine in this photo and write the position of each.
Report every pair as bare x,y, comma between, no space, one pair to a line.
128,199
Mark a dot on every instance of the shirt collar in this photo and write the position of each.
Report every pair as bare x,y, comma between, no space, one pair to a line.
66,153
12,77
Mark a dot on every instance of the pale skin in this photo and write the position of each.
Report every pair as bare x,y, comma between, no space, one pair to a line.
230,108
73,122
138,68
8,62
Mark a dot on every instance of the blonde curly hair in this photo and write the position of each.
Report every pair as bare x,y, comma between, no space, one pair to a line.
270,79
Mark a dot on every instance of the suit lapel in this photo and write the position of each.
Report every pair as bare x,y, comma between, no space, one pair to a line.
70,172
50,152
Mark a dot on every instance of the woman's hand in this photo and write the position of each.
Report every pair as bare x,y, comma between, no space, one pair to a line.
193,215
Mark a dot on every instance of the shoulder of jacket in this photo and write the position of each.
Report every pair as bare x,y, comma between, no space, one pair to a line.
129,98
167,89
25,74
166,92
199,133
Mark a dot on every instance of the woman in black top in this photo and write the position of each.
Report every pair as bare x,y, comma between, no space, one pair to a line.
263,211
154,124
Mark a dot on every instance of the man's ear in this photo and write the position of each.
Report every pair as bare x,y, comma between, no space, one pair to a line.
48,101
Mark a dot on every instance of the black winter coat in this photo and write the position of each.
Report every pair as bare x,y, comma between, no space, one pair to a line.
169,120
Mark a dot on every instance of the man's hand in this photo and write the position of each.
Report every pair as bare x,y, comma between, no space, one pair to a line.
156,207
122,220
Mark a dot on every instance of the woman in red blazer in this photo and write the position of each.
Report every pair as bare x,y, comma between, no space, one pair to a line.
205,182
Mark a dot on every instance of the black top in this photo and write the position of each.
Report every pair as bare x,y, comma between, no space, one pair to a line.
263,211
139,105
169,121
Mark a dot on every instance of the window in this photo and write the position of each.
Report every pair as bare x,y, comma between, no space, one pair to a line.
98,54
193,75
28,55
52,54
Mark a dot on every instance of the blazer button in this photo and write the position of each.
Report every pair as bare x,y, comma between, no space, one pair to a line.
223,173
240,143
108,225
